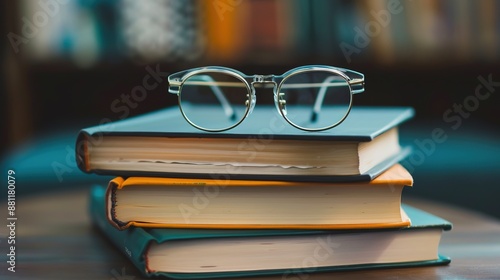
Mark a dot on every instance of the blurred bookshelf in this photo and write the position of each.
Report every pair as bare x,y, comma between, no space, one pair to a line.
269,32
72,57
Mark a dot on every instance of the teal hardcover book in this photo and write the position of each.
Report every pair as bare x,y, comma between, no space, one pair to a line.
262,147
211,253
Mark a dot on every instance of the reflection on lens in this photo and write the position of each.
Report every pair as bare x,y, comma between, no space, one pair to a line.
213,101
315,99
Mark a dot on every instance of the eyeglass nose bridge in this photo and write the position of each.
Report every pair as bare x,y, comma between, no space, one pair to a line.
261,79
258,81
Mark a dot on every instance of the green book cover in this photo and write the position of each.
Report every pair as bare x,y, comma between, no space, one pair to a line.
262,147
140,244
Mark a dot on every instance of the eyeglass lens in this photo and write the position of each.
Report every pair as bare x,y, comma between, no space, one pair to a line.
315,99
202,91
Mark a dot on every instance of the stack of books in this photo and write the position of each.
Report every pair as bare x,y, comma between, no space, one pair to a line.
263,198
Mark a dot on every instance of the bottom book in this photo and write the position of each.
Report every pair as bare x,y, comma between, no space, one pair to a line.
210,253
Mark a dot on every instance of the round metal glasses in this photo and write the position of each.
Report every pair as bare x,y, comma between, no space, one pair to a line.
310,98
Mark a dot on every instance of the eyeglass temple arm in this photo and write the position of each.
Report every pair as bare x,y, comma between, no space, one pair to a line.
228,109
357,86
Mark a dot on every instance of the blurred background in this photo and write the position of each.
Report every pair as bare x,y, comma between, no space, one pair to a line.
73,64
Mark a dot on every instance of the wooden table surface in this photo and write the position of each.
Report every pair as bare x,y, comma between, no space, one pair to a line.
55,240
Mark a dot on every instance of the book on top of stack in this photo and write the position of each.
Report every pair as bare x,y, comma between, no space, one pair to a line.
259,199
262,147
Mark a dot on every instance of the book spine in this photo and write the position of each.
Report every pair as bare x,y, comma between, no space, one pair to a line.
81,152
132,242
110,198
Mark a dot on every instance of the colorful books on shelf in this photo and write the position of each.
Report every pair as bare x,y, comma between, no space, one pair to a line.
260,198
262,147
210,253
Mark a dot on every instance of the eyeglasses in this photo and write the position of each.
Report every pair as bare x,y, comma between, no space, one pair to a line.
310,98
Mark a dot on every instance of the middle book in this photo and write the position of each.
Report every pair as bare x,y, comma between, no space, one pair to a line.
247,204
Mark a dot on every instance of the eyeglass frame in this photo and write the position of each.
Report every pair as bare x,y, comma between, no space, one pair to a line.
355,82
